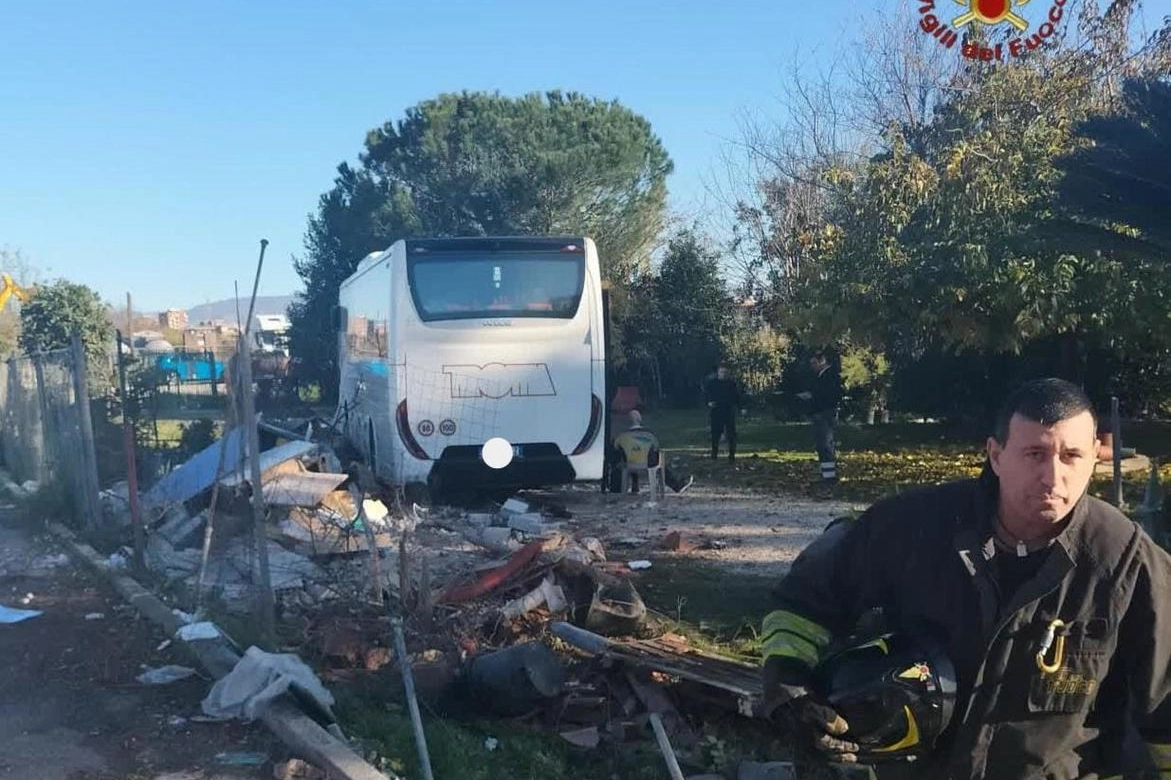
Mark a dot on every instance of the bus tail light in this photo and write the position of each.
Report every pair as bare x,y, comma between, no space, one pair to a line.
592,430
404,432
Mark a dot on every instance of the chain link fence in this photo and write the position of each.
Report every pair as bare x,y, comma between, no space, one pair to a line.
48,430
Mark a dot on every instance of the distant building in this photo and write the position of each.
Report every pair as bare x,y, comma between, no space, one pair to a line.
173,319
217,338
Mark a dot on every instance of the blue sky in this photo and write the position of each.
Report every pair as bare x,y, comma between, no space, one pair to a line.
149,147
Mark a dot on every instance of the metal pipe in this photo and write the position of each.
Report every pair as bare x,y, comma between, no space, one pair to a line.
665,747
255,287
579,637
404,663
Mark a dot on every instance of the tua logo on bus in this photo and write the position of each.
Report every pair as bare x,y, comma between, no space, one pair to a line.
497,380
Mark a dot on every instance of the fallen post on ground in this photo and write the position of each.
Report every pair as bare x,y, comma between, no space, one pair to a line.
672,658
301,733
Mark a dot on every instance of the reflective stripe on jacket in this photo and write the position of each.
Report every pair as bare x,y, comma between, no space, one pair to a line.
925,559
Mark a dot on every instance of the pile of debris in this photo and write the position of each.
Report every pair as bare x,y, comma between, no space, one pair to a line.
507,613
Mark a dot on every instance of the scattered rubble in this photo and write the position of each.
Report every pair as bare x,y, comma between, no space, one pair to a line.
508,612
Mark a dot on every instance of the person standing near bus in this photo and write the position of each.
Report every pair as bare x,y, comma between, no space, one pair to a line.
823,397
723,402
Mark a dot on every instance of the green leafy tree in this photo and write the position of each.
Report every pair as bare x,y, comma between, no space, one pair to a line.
949,235
678,315
866,382
56,311
755,352
483,164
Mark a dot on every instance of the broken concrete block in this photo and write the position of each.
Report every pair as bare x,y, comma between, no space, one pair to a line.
773,770
182,531
529,522
498,539
514,506
166,560
479,519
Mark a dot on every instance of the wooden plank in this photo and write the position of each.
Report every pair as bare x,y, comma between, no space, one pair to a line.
316,536
656,700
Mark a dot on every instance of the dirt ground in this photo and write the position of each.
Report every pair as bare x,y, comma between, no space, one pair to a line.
744,533
70,707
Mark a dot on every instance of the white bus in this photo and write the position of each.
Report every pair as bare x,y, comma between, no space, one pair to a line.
445,343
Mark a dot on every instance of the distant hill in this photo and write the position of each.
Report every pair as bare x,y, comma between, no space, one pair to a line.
226,309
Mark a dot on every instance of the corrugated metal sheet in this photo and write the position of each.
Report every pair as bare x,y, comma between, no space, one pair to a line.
270,459
306,489
197,474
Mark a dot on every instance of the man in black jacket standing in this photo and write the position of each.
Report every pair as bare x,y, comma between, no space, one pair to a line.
723,401
824,397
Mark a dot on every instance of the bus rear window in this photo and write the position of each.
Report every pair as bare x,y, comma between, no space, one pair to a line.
459,285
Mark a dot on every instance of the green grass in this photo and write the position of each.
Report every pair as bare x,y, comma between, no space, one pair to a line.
717,611
457,748
873,460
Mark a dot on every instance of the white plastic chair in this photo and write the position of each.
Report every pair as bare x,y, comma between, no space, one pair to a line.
655,478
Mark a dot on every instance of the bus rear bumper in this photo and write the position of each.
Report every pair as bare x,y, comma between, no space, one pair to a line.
461,467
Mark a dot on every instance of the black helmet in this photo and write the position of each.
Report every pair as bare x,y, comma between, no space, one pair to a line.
896,693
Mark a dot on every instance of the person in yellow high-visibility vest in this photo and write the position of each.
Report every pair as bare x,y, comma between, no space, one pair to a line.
639,447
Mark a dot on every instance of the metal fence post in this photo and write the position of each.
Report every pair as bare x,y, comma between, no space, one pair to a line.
131,464
92,507
210,355
265,602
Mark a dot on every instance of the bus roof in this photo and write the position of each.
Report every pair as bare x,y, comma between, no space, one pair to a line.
495,244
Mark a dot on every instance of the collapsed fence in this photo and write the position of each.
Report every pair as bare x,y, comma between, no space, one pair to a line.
48,433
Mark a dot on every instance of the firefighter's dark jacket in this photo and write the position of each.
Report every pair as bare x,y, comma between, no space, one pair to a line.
724,393
827,392
925,559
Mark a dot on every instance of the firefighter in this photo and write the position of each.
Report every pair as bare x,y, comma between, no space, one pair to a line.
1054,607
723,401
823,398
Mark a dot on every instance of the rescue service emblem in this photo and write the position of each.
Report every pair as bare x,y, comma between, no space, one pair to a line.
947,28
920,672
